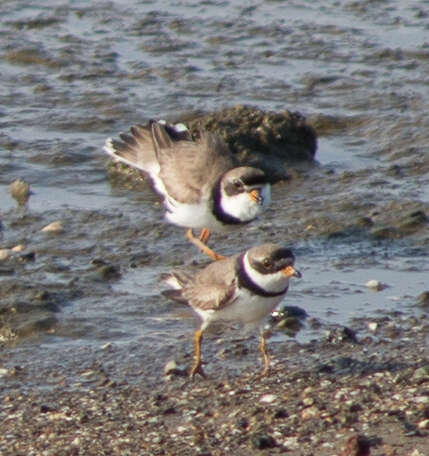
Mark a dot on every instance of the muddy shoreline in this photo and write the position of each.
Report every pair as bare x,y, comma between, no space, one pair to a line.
86,252
84,335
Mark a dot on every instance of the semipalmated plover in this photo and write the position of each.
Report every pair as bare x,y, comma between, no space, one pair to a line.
242,288
197,179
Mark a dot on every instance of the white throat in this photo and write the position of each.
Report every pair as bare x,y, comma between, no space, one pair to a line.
242,207
272,283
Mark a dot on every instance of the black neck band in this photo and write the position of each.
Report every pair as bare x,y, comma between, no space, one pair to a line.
244,281
218,212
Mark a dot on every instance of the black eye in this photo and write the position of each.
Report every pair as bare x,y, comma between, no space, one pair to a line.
267,262
237,183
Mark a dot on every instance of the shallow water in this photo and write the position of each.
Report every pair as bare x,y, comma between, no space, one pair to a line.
74,73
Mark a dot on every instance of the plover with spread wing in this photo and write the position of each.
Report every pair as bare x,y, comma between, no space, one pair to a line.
197,179
243,288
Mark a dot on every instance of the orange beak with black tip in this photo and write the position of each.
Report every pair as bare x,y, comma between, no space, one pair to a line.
255,195
290,271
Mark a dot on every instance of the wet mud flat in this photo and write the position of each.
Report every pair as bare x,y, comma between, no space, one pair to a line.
319,394
81,352
318,398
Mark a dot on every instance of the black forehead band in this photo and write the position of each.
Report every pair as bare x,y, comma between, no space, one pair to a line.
282,254
254,178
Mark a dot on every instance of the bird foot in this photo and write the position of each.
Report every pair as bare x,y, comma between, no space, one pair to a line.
197,369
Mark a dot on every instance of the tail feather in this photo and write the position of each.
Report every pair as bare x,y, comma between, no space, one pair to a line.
177,280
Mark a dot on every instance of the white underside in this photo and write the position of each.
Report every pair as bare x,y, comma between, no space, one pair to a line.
200,216
245,307
196,216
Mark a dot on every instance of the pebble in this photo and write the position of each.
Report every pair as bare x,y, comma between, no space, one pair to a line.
421,399
309,413
422,373
424,424
268,398
170,367
20,191
291,443
54,227
4,254
308,401
373,326
3,372
76,441
18,248
375,285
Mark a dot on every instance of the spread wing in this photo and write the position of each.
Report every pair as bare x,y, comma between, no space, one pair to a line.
135,148
189,169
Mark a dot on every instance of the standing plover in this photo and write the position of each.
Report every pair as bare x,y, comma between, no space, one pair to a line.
242,288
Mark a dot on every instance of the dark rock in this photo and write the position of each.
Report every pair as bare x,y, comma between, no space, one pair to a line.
344,362
263,441
281,413
423,300
325,368
107,272
357,445
46,408
243,422
341,335
289,319
27,256
252,133
36,323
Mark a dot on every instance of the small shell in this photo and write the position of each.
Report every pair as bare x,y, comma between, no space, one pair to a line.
54,227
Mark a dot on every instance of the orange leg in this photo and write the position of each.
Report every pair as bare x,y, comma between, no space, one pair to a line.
265,355
205,235
200,243
197,368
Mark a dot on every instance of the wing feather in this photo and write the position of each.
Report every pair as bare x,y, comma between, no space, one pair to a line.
213,287
189,169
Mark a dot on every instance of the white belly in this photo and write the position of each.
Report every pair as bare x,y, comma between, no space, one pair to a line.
246,308
195,216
